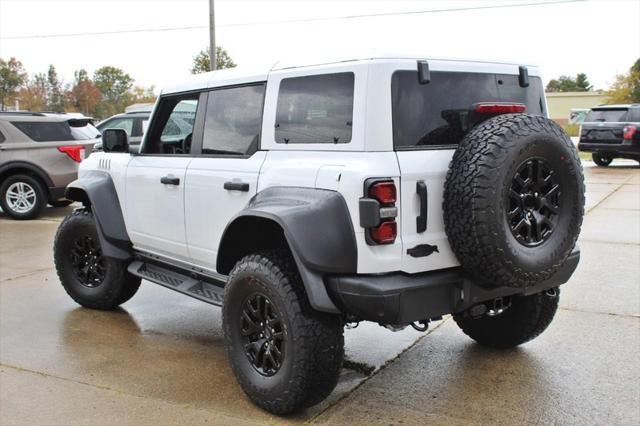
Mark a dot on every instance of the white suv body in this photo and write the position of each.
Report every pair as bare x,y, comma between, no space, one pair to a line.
303,198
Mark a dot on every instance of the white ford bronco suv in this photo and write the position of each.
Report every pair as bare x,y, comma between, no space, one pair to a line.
304,198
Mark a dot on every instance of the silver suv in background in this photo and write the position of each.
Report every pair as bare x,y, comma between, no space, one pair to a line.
134,123
39,156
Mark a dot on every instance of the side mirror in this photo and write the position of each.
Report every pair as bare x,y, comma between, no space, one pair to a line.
115,140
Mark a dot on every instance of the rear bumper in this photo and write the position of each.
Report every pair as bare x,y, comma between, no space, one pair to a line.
625,148
400,298
56,193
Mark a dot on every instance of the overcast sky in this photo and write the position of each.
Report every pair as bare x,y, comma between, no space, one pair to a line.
598,37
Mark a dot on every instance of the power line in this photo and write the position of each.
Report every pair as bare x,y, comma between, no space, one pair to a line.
291,21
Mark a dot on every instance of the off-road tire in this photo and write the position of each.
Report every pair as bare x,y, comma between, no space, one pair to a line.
314,342
60,203
478,193
601,160
40,197
524,320
118,284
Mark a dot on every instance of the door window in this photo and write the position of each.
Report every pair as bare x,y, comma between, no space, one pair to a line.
233,120
125,124
173,125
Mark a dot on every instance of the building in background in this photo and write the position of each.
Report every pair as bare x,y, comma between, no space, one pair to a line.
562,104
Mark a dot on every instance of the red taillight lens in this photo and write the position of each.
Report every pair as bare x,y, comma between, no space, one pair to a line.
384,192
75,152
629,132
491,108
385,233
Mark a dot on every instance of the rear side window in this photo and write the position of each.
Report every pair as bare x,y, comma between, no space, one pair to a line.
607,115
57,131
315,109
233,120
2,139
436,114
634,115
125,124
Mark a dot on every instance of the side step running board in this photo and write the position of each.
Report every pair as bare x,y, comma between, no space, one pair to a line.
202,290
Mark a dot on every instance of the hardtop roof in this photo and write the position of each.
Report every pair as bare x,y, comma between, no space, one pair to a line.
245,75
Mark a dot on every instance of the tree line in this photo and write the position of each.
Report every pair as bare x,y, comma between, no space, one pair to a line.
107,92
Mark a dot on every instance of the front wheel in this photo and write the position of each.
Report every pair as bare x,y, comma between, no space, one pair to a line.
601,159
285,355
91,279
511,322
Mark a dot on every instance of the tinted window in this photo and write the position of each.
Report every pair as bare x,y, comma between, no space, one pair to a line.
315,109
232,124
634,115
606,115
438,113
2,139
57,131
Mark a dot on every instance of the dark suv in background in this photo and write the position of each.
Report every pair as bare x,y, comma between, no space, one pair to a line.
39,156
611,131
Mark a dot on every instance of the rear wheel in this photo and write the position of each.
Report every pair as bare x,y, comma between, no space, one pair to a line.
91,279
22,197
601,160
512,321
285,355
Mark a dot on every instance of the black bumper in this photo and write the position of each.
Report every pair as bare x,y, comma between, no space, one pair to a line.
400,298
625,148
56,193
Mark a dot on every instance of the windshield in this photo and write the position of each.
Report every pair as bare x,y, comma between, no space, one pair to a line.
606,115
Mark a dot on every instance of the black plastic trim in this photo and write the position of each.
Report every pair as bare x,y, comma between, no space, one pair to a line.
317,227
400,298
40,173
96,189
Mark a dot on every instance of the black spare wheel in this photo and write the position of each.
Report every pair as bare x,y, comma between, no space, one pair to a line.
514,200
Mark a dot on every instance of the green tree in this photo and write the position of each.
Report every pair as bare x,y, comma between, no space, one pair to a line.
12,76
626,87
114,85
202,61
55,95
565,83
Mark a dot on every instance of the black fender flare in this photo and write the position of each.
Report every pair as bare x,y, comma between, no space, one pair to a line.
317,227
95,189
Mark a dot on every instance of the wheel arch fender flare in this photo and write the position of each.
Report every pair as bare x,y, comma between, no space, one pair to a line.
95,189
317,229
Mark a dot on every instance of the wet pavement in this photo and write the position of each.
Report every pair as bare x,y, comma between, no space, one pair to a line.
160,358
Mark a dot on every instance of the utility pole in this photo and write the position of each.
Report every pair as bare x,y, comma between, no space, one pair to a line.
212,37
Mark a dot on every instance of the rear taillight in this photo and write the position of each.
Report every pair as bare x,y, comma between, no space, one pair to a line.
499,108
384,192
75,152
628,132
385,233
378,211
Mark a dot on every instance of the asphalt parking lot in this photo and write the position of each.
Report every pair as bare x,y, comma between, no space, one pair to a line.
160,358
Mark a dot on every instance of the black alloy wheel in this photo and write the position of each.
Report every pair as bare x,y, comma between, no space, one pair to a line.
534,202
87,261
263,336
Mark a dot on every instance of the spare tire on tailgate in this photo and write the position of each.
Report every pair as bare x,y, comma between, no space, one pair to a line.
514,200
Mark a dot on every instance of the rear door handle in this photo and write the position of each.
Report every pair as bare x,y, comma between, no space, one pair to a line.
236,186
421,220
169,180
